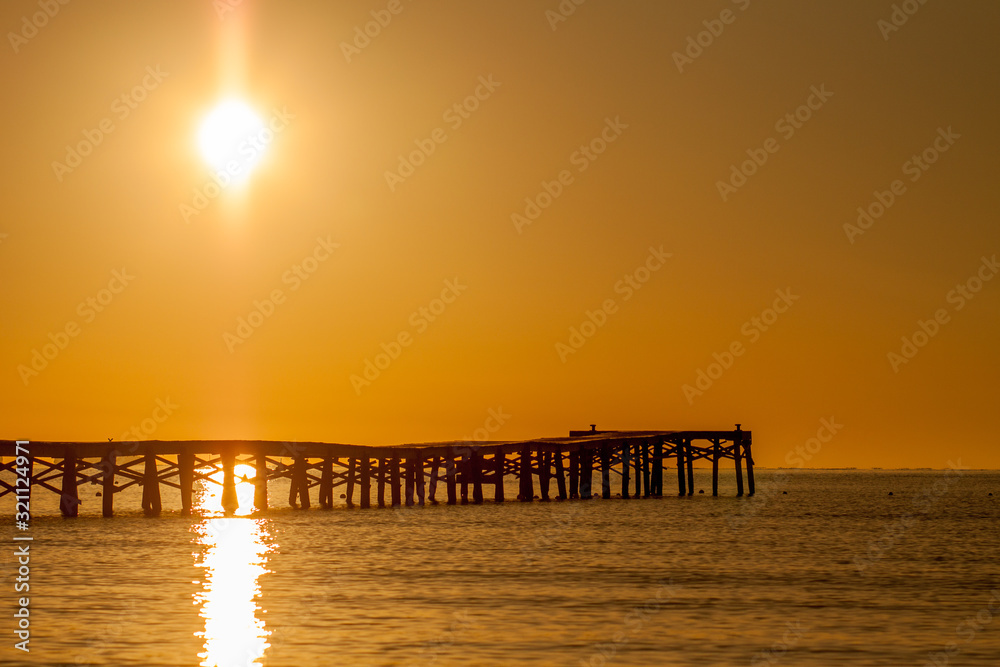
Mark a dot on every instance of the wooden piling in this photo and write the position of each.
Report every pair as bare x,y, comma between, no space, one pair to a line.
326,484
560,475
382,465
366,482
420,481
69,501
527,490
574,474
450,482
644,447
352,464
749,459
498,464
150,486
394,486
185,466
411,479
476,465
259,480
544,473
109,465
606,471
658,467
300,484
626,463
679,451
586,473
715,466
637,464
230,502
690,468
432,490
738,460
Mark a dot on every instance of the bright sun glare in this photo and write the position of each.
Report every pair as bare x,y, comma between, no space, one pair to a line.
231,138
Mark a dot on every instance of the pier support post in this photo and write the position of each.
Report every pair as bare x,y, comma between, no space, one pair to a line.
464,476
658,468
645,468
366,482
420,480
185,469
586,473
498,461
450,482
738,459
411,479
259,480
394,481
433,485
110,466
560,474
749,458
298,494
352,464
326,484
637,467
476,464
230,503
606,471
544,474
715,467
624,452
690,468
381,482
679,451
527,486
150,486
69,501
574,474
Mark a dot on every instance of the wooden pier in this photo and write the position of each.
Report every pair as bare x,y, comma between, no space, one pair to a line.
412,472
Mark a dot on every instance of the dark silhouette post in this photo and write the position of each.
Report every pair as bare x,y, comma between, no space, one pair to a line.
499,458
586,473
150,486
738,459
352,464
450,479
624,453
433,485
259,480
679,450
560,474
715,466
326,484
69,502
366,482
109,466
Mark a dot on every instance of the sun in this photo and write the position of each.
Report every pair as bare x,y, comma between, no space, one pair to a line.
232,138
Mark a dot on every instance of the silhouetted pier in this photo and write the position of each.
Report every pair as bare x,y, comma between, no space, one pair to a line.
411,474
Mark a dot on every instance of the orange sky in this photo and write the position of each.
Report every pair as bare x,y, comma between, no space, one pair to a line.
622,131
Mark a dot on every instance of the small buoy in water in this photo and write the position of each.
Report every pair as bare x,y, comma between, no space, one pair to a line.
535,497
701,490
990,493
98,494
784,493
343,495
890,493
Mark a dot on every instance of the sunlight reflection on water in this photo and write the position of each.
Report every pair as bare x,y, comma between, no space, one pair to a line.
233,561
